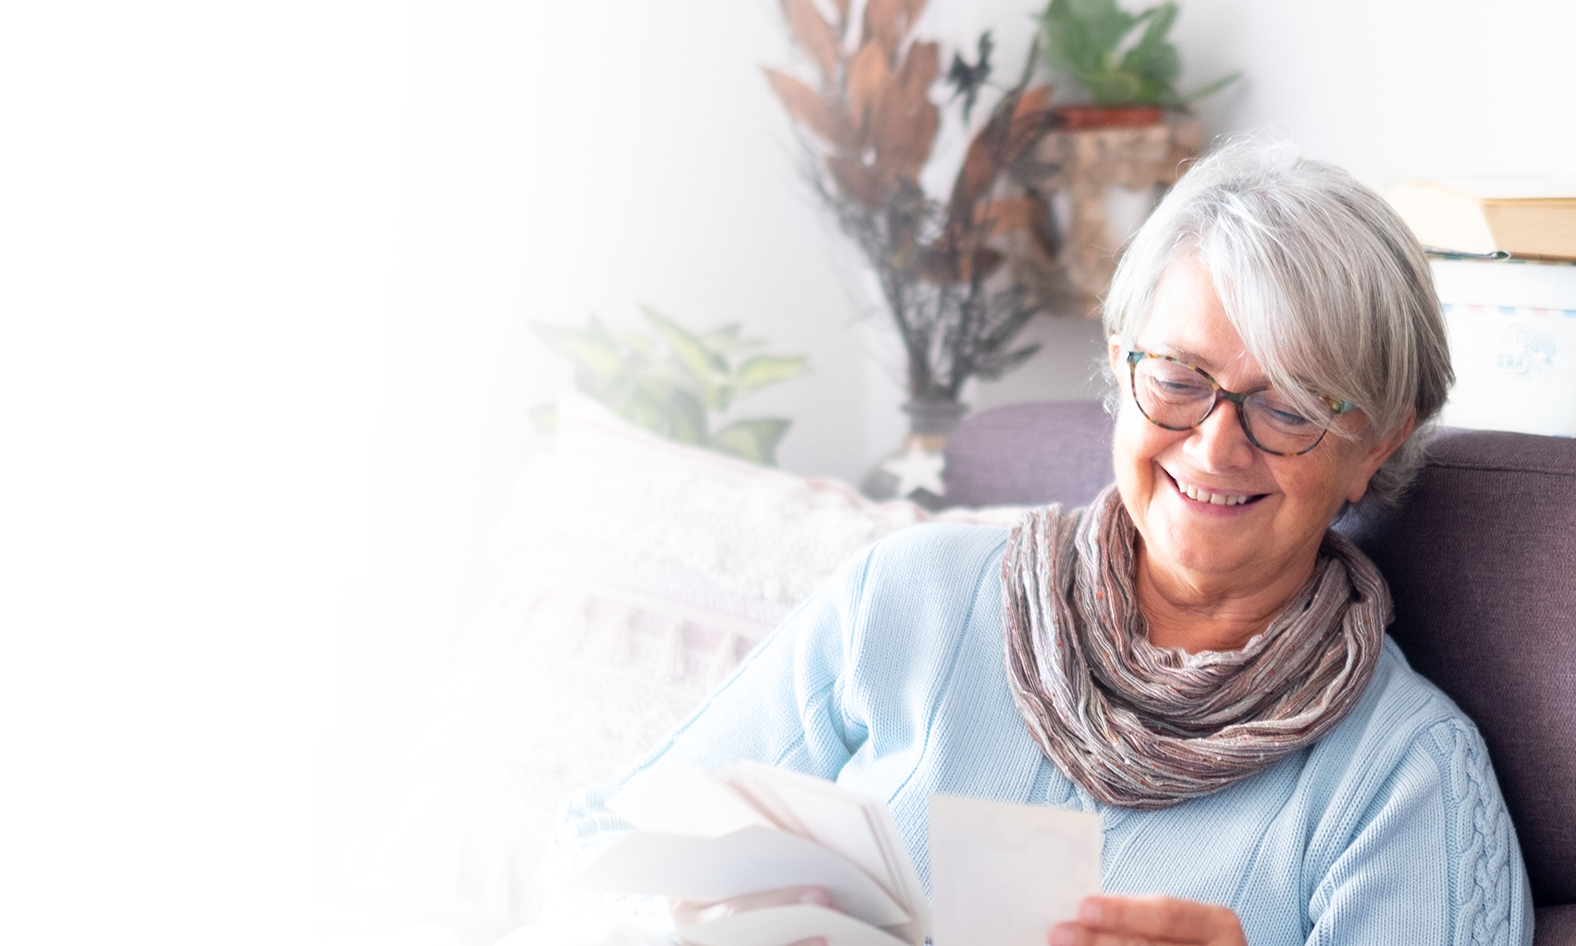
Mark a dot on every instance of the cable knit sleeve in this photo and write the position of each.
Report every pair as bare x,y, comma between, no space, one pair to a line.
1433,858
1485,869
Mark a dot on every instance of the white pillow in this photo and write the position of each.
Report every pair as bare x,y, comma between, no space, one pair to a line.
637,572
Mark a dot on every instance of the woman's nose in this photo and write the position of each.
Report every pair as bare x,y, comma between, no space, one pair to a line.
1220,444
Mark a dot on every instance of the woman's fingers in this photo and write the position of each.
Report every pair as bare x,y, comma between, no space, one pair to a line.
1140,921
690,912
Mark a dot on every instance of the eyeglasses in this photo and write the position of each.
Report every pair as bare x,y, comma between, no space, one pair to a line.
1177,396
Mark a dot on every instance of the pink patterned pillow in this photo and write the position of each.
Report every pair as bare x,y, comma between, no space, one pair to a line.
637,572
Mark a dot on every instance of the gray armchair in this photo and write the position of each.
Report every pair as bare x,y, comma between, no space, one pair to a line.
1482,563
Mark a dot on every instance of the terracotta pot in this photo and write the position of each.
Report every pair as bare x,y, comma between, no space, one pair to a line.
1076,117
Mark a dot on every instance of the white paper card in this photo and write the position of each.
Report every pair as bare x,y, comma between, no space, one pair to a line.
1004,874
832,816
780,926
747,861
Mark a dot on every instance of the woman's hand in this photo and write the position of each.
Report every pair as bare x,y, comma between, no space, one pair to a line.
1141,921
689,912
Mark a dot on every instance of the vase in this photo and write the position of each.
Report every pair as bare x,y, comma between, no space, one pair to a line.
916,470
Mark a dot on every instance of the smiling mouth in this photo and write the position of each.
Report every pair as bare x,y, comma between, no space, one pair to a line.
1215,499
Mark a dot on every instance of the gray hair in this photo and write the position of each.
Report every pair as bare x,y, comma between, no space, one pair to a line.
1327,286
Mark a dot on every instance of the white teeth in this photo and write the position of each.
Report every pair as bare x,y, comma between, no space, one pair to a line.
1214,499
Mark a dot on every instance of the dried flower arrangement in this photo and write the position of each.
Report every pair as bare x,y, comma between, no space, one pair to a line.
869,129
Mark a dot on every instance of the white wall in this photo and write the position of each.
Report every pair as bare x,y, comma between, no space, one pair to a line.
1397,89
201,222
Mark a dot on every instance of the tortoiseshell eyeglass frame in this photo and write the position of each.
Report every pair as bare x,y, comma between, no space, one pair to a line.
1336,405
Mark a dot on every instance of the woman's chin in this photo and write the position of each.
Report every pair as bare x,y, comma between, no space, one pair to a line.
1208,538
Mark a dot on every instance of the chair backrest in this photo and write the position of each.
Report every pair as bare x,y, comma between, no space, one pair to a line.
1052,451
1481,560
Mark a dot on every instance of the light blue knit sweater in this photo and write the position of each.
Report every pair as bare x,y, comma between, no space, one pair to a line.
890,680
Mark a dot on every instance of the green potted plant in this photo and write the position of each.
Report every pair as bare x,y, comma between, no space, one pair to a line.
1129,81
673,385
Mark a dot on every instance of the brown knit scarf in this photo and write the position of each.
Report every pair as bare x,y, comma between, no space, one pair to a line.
1141,726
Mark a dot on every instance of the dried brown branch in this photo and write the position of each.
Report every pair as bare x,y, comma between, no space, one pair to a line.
887,22
810,109
841,6
876,127
869,73
904,124
815,35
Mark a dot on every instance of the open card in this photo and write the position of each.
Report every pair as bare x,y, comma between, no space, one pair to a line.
749,860
854,825
1004,874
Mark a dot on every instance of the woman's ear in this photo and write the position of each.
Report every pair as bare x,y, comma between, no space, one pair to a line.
1378,453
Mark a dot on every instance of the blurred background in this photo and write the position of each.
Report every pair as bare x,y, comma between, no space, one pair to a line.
266,279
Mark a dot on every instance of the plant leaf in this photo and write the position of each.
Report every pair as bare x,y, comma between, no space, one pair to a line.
1105,23
906,121
887,22
726,339
645,408
1211,89
592,350
755,440
855,181
868,77
1032,117
761,370
967,80
688,349
545,416
1032,101
1113,87
842,14
1152,59
1082,37
636,344
806,107
686,418
815,35
979,169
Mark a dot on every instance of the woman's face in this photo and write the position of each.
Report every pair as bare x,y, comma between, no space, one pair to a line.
1281,505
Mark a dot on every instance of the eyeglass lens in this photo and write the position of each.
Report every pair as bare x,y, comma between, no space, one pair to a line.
1178,397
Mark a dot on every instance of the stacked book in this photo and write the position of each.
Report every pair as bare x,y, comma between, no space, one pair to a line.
1504,262
1001,873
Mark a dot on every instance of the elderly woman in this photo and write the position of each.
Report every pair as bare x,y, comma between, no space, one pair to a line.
1196,656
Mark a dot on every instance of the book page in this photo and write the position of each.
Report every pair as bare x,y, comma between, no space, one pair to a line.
1004,874
855,825
749,861
831,816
